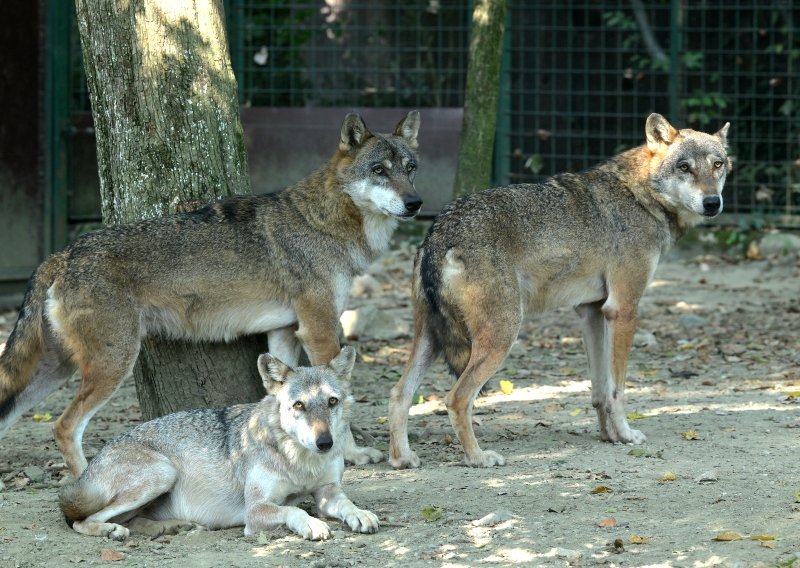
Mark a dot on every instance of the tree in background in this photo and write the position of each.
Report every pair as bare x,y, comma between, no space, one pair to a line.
169,138
476,145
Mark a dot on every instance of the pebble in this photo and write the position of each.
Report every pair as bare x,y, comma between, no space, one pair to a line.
494,518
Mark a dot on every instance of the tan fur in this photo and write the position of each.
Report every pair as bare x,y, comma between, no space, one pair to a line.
279,263
590,240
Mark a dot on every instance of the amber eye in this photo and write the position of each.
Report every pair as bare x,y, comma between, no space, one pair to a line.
333,401
299,406
717,164
684,167
378,169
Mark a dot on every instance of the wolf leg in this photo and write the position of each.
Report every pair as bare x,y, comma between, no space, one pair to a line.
283,344
268,516
422,356
155,529
143,483
332,502
105,352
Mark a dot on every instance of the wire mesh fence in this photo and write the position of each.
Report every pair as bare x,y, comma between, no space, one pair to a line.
579,77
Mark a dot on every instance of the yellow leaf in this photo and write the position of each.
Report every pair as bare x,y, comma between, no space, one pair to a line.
689,435
727,536
432,514
763,537
768,543
46,417
636,416
575,412
668,476
649,373
569,371
797,495
793,394
507,387
636,539
602,489
382,419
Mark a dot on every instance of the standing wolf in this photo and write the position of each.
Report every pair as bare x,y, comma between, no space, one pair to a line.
589,240
280,263
248,464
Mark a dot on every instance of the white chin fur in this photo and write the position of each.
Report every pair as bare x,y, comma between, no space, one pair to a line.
376,198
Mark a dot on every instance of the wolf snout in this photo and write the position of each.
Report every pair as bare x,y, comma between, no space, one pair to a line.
711,205
324,442
412,204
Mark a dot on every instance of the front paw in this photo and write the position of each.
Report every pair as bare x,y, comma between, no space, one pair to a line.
486,458
362,455
363,521
314,529
618,432
408,460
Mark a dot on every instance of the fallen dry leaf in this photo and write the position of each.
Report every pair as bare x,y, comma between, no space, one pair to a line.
763,537
637,539
432,514
507,387
689,435
602,489
668,476
46,417
382,419
768,543
727,536
575,412
111,555
552,407
607,523
631,416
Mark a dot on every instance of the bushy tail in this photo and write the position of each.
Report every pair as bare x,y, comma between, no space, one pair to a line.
26,342
448,331
80,499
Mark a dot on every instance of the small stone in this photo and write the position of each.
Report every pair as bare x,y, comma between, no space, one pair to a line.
492,519
34,473
644,338
707,477
568,554
691,321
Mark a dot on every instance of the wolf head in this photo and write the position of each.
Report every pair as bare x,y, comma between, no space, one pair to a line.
378,170
312,400
688,167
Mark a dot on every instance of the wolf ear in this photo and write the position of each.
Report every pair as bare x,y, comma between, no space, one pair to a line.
273,372
722,134
343,363
354,132
659,131
408,128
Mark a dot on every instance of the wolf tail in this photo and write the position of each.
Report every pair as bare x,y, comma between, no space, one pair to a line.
25,345
447,329
80,499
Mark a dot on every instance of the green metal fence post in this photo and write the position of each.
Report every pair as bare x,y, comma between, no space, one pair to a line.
56,120
675,50
501,165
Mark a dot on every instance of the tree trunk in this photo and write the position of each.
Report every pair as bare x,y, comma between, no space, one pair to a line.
169,138
476,145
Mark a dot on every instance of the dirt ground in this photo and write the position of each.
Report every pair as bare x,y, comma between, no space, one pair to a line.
715,385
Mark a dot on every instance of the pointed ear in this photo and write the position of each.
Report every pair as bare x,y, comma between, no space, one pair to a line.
273,372
659,131
343,363
722,134
354,132
408,128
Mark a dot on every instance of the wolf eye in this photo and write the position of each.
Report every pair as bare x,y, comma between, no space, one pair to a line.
299,406
717,164
411,167
333,401
378,169
684,167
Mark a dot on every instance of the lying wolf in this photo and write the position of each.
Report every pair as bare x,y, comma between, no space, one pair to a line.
590,240
248,464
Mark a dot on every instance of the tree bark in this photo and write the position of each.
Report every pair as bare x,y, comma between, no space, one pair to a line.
169,138
476,145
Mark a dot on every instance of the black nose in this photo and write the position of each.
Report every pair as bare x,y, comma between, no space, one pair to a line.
711,205
412,203
325,442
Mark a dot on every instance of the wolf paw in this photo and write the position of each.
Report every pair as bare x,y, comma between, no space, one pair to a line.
118,533
486,458
314,529
363,521
361,455
409,460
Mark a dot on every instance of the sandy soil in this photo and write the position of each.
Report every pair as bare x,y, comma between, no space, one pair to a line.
719,396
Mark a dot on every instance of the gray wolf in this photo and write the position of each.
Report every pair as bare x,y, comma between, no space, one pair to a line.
280,263
248,464
590,240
